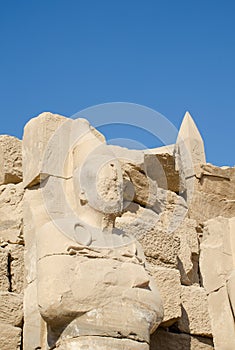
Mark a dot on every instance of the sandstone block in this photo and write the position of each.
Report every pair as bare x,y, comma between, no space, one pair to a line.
10,338
160,167
195,315
145,225
10,160
216,251
11,308
189,252
168,280
214,192
11,215
4,278
222,320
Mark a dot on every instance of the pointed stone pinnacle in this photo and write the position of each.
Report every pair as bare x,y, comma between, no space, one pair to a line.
190,141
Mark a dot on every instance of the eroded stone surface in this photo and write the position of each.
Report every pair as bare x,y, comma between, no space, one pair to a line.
11,215
195,314
10,337
10,160
168,280
11,308
4,278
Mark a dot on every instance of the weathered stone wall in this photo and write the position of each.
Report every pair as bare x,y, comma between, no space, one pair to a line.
188,243
11,244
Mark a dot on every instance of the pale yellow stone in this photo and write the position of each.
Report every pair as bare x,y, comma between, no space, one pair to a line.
214,191
216,252
195,315
11,215
190,145
4,278
32,318
168,280
222,320
189,252
145,225
10,337
11,308
10,160
37,133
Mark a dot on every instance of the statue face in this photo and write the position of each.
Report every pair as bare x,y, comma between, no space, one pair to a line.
100,183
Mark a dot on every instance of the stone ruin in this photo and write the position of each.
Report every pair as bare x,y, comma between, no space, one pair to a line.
108,248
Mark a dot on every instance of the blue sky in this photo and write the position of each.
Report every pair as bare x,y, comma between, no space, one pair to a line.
172,56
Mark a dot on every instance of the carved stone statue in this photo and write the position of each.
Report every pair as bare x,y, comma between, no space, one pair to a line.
93,290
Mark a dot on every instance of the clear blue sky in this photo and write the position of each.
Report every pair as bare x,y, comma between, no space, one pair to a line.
172,56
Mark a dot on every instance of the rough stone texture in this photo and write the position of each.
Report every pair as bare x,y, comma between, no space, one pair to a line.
160,167
4,278
214,191
168,280
105,343
10,160
16,267
162,340
89,190
188,256
11,308
10,337
11,215
157,164
195,315
158,244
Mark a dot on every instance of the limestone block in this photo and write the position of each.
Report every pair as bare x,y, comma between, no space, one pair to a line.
32,319
158,164
217,180
4,279
216,251
168,280
37,134
163,340
11,308
189,252
10,160
214,192
195,315
10,337
222,320
11,213
101,343
16,267
145,225
160,167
